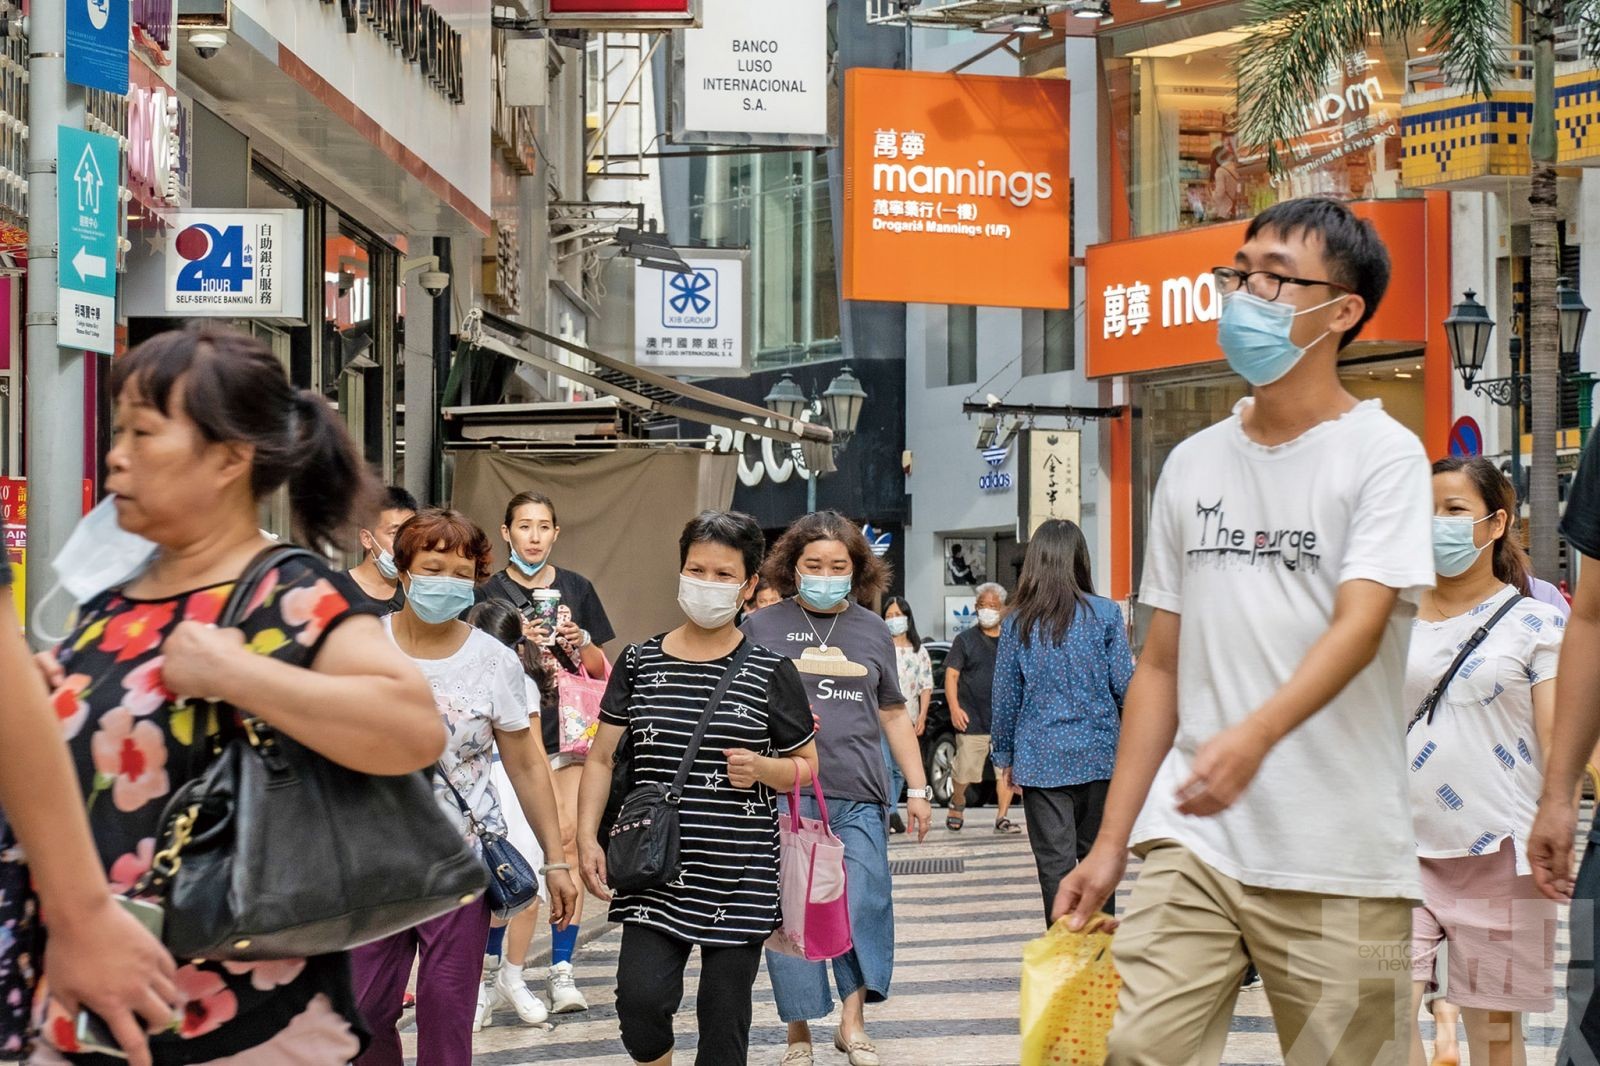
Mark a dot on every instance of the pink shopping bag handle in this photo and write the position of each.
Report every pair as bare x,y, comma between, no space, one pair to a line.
794,795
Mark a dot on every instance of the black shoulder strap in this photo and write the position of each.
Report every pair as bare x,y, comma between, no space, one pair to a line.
1431,700
712,704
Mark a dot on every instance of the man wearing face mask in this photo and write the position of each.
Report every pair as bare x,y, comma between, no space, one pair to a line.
376,574
969,689
1261,770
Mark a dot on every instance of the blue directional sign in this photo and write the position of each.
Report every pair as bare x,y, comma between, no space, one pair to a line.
88,168
97,44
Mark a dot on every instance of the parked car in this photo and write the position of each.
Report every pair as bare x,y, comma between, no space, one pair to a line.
939,740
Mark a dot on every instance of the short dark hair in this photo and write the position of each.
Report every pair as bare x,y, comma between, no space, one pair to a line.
1351,248
396,498
734,529
439,530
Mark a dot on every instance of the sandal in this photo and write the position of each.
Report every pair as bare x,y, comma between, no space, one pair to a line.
1006,825
954,820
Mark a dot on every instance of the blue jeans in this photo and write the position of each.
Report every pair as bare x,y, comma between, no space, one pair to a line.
800,987
897,780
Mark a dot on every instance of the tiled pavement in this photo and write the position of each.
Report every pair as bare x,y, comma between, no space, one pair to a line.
959,940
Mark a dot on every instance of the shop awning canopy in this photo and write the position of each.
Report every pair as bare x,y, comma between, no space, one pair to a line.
652,398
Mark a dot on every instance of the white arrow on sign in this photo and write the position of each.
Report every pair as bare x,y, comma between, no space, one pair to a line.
89,266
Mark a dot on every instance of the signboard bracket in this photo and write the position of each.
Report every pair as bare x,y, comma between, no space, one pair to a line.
1042,411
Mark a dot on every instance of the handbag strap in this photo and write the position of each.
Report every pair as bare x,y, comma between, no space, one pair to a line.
682,777
1431,700
477,827
794,794
234,613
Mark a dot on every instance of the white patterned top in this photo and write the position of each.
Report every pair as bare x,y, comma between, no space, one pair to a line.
1477,768
479,689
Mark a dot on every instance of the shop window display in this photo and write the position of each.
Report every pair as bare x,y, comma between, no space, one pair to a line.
1175,125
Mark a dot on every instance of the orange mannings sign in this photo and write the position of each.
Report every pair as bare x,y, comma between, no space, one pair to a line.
1152,305
956,189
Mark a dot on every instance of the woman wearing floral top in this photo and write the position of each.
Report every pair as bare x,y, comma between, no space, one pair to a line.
207,427
916,685
481,692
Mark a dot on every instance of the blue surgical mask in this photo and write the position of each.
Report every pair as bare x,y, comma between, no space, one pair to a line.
1256,336
1453,549
385,564
825,591
899,626
98,555
528,569
438,599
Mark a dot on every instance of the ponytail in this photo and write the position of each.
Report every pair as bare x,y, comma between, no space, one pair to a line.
330,487
235,389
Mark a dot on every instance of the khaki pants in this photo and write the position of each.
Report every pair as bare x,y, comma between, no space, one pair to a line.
1336,969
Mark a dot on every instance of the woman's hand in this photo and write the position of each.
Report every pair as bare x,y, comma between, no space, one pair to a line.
744,767
536,633
919,816
563,897
196,659
592,864
106,962
54,674
569,633
921,723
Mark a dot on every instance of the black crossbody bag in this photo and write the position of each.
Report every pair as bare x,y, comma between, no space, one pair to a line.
642,845
1431,700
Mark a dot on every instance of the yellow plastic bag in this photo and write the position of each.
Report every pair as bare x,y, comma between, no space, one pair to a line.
1069,996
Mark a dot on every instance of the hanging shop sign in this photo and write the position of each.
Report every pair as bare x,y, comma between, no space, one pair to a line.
158,142
155,27
1153,304
956,189
691,322
1052,479
745,77
97,44
234,264
86,202
621,16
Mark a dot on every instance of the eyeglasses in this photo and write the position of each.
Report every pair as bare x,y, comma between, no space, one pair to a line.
1263,283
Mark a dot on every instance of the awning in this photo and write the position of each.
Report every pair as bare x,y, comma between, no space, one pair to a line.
648,394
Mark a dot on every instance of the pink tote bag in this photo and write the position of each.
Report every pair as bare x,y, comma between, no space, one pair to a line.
811,880
579,708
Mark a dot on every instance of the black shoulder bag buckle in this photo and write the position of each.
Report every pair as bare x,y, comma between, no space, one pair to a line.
1431,700
642,848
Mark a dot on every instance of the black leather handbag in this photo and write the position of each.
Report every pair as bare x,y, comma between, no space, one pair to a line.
642,846
513,886
276,852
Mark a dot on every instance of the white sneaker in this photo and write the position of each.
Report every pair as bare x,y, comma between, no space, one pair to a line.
509,986
564,994
486,1003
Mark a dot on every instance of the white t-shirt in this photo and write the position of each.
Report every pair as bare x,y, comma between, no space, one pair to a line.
1477,768
479,689
1249,544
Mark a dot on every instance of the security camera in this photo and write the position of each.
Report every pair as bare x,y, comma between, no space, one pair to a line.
207,45
434,281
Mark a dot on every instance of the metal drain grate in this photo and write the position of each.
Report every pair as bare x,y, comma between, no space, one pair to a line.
913,867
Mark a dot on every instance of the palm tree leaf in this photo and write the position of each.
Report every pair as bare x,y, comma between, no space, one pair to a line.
1585,16
1285,63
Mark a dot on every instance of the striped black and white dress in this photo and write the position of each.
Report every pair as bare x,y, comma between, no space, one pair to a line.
728,891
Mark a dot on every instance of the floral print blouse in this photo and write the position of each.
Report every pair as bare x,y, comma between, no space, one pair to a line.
916,677
130,744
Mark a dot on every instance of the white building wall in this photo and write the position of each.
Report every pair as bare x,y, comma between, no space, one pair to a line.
946,499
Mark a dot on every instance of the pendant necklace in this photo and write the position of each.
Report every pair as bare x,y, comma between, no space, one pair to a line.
823,646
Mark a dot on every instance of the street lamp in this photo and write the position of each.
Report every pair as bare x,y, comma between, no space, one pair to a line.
839,408
1468,329
1574,314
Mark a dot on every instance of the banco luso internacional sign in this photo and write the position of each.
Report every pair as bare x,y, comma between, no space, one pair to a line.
745,77
957,189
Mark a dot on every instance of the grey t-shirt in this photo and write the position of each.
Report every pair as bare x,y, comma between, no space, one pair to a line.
849,734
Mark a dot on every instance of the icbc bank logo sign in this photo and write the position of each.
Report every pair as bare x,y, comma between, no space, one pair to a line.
956,189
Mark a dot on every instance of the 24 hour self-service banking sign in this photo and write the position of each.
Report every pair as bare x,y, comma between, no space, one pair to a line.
956,189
